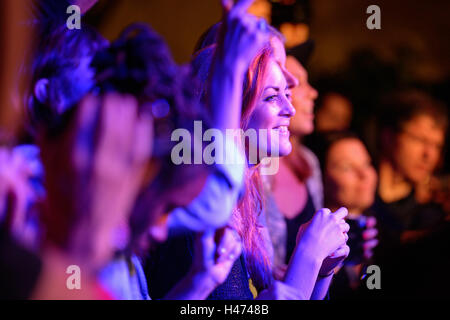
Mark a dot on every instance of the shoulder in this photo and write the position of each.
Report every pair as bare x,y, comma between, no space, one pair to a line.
309,156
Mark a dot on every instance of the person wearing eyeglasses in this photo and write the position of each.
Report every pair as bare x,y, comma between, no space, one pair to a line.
412,137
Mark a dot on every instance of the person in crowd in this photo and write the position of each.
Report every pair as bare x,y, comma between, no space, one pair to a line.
266,105
60,75
299,173
98,138
350,180
295,193
412,133
92,175
412,227
51,111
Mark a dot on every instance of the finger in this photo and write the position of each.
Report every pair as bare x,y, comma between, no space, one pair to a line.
323,211
235,251
143,140
369,234
205,248
87,112
370,244
83,131
341,213
119,115
371,222
368,254
346,237
345,227
342,251
226,245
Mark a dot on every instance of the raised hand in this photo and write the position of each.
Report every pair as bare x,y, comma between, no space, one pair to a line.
214,256
241,35
93,172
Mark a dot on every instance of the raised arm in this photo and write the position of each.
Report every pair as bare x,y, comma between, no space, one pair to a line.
239,41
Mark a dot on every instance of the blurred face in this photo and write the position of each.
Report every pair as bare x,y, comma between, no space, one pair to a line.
303,96
273,112
335,114
418,148
350,179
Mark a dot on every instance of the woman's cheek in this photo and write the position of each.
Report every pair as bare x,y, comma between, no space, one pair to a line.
373,179
345,186
262,118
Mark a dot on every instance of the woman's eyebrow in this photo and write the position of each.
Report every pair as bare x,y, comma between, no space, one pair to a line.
272,87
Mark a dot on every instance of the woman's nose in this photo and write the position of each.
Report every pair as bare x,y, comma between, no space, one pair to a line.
312,92
287,109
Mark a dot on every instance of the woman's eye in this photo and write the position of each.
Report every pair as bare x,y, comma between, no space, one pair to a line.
289,96
270,98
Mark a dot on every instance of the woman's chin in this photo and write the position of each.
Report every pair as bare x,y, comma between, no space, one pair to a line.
285,149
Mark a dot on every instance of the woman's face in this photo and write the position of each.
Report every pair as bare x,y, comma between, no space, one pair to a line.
303,96
350,179
272,113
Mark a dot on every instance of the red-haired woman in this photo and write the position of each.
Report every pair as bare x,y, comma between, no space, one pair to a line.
266,110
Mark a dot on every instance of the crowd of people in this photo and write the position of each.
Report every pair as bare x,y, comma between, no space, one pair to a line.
92,183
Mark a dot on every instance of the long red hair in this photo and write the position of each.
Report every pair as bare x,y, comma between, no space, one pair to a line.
251,205
246,214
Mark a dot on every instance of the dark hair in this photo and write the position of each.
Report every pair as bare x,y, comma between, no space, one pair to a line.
400,107
325,141
55,56
46,15
139,63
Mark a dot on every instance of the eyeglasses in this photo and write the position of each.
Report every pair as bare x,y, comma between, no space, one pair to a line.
422,140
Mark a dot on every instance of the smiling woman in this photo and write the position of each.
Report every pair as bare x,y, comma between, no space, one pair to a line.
273,109
266,106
